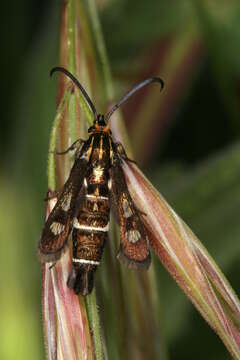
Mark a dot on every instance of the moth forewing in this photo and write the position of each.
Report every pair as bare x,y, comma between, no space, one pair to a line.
56,230
134,248
53,241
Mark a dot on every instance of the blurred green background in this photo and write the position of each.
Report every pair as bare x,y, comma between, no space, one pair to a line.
187,142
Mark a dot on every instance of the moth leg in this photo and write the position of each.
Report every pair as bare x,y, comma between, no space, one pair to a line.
76,145
52,266
122,153
140,212
130,160
51,194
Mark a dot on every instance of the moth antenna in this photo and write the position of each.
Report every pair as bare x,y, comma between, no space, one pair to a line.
131,92
77,83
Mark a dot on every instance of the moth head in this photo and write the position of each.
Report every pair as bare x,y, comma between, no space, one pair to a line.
99,125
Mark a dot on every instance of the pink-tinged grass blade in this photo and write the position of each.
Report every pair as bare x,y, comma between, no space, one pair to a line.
48,303
65,322
49,315
70,321
187,261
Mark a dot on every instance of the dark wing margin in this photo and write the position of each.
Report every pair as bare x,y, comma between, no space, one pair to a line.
134,248
56,230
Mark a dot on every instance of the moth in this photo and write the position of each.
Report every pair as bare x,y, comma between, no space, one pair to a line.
95,185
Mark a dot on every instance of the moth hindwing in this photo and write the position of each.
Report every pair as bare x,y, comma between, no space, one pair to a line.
83,205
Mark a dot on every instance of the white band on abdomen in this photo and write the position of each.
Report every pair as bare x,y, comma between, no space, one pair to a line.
76,225
84,261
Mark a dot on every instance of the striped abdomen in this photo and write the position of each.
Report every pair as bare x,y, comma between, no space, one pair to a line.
90,229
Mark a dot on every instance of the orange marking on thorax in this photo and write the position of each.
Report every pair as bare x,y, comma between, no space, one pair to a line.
107,128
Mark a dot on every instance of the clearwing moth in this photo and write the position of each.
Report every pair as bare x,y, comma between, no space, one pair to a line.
95,185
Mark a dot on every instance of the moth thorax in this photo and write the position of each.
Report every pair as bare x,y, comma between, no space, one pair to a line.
99,153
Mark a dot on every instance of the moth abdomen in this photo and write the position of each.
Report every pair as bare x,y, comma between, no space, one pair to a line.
81,279
87,252
90,228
